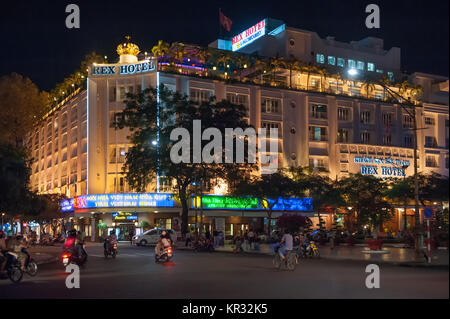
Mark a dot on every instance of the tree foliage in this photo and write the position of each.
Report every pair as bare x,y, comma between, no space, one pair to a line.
22,105
150,154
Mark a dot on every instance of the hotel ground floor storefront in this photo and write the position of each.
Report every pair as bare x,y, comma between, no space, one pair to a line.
98,215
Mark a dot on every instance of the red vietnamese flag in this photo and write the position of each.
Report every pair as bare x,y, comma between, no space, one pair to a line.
225,21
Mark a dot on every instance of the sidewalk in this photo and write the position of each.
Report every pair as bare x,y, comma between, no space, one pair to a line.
395,255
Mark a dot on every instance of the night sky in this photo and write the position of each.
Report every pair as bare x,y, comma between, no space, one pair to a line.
36,43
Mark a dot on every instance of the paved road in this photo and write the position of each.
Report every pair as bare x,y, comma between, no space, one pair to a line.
134,274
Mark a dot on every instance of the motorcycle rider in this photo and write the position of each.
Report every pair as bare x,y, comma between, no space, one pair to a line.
72,243
110,240
164,242
286,244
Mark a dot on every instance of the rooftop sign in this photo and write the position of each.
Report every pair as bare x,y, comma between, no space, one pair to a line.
123,69
249,35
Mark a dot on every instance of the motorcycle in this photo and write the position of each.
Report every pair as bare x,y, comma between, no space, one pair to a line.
312,250
204,245
31,267
69,257
165,256
289,261
12,267
110,249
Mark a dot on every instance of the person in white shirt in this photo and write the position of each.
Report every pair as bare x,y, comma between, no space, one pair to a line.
287,244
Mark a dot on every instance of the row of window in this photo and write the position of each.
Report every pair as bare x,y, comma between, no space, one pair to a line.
350,63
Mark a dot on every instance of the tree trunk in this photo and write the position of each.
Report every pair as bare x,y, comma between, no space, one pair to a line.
269,218
184,211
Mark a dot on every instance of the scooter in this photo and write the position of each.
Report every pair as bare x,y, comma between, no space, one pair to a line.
165,256
110,249
31,267
12,267
68,257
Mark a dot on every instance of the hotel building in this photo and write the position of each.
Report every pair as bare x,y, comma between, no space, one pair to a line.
324,120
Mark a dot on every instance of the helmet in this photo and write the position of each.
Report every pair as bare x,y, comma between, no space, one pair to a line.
72,232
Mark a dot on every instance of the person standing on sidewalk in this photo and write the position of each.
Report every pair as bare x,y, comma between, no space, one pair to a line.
332,237
188,238
251,238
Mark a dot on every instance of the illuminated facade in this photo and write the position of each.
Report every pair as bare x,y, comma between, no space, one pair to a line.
342,128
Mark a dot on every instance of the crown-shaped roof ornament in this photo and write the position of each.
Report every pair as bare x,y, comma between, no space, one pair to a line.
128,48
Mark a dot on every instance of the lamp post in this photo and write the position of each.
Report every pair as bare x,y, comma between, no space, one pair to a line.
405,222
410,109
3,214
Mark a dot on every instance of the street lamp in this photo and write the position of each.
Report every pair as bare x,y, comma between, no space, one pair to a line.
410,109
3,214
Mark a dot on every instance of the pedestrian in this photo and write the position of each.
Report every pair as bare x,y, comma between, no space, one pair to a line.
251,238
188,238
332,237
246,240
215,236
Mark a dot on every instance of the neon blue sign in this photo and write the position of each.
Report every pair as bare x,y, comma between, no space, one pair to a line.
124,200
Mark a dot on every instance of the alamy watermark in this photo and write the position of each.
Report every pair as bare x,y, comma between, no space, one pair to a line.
212,152
73,279
373,279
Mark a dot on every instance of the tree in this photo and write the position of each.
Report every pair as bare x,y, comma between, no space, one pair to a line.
161,49
268,189
150,154
401,191
46,209
293,222
369,86
316,184
366,195
22,105
14,177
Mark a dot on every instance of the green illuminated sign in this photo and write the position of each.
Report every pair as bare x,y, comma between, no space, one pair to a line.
225,202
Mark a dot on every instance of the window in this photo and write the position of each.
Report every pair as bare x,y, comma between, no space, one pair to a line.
320,58
238,98
343,135
365,117
430,141
269,105
379,71
317,163
122,155
112,155
387,118
387,139
408,140
331,60
319,111
408,121
365,137
341,62
430,161
370,67
343,114
271,125
391,76
360,65
199,96
318,134
429,121
351,64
